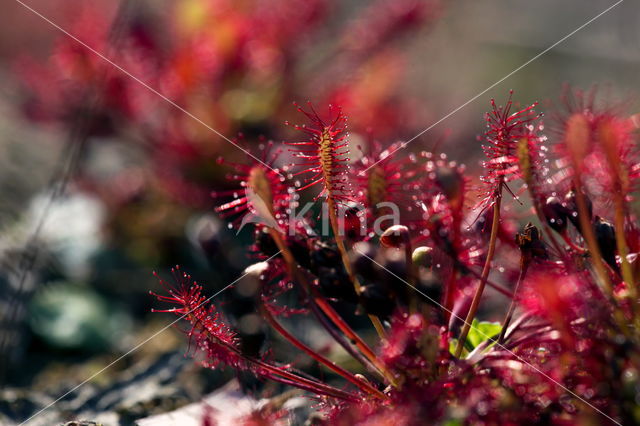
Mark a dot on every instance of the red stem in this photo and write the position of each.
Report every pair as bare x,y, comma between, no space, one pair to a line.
344,327
282,375
485,272
363,385
321,302
340,338
302,382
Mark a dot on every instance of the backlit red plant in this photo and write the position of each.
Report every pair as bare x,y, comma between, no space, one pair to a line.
562,271
382,179
323,155
566,350
260,190
508,139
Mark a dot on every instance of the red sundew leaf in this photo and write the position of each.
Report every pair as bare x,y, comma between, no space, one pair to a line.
261,191
504,131
325,155
381,177
219,344
597,141
208,332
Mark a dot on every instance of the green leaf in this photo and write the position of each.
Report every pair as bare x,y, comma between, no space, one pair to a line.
481,331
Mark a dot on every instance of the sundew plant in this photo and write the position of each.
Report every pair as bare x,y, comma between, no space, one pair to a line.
567,349
352,228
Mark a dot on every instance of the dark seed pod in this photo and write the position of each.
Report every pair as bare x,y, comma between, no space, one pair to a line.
300,250
395,236
606,237
556,214
394,261
335,284
393,275
530,243
571,204
376,300
361,256
430,287
324,255
264,242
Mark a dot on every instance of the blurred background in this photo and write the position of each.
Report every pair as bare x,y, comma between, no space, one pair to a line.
103,181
